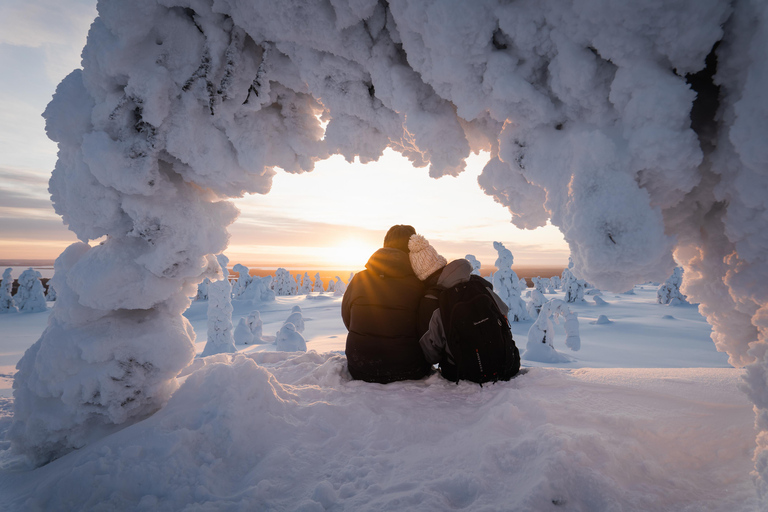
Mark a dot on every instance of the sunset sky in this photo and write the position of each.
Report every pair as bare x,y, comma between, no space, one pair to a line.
333,217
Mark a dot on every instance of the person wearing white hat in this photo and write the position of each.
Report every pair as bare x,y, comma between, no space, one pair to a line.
439,276
427,265
424,258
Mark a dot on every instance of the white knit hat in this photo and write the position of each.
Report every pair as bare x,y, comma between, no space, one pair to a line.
424,258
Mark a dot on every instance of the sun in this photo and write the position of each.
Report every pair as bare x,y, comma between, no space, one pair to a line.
349,254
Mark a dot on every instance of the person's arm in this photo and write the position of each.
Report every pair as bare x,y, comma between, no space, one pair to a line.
433,342
427,306
346,303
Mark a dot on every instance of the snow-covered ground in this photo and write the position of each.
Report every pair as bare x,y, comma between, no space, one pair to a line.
646,417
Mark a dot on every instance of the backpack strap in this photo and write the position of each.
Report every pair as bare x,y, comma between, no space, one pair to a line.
448,298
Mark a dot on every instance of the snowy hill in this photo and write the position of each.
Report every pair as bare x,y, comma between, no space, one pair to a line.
626,426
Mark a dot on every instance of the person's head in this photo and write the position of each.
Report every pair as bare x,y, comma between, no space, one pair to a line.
425,260
397,237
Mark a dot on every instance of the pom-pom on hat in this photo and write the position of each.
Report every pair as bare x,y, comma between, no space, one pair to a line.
424,258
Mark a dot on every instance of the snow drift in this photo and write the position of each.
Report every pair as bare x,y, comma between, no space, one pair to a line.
636,128
282,431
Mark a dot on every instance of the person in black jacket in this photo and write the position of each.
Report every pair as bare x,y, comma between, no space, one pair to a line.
379,310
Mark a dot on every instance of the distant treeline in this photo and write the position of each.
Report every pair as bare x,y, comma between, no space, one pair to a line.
523,272
15,287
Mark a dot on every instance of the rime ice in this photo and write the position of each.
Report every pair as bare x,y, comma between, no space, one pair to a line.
507,285
669,292
306,285
7,304
585,108
317,286
541,335
284,283
30,297
474,262
220,330
255,325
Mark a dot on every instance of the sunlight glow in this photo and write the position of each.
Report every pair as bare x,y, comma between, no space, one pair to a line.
349,254
339,202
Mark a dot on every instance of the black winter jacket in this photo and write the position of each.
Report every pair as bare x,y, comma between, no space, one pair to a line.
379,309
430,301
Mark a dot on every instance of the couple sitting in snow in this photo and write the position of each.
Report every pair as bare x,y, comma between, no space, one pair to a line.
391,309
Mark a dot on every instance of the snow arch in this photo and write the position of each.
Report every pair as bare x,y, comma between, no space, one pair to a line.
584,106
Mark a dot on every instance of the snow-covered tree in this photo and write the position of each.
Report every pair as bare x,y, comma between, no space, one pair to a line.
284,283
331,285
296,318
669,292
474,262
6,298
571,285
339,287
258,290
50,294
220,329
244,280
288,340
318,286
102,360
306,285
556,283
30,297
349,279
243,334
533,306
202,289
255,325
541,335
573,288
263,289
298,281
568,271
507,285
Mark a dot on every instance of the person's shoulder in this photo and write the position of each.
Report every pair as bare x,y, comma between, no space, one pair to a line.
390,262
457,271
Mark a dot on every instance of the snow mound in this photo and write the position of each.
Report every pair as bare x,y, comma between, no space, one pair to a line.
278,431
601,320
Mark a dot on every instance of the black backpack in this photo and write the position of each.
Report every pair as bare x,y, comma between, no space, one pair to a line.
478,334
